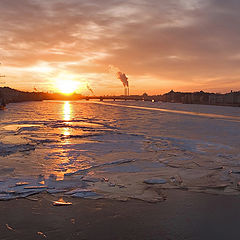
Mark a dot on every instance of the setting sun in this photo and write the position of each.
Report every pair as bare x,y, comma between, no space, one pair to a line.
67,86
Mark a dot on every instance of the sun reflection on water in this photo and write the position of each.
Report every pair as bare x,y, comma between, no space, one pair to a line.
66,132
67,111
65,159
67,116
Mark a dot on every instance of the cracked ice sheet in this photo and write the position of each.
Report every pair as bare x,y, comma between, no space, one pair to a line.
188,152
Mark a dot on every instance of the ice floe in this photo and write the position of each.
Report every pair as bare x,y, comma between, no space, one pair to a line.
155,181
116,152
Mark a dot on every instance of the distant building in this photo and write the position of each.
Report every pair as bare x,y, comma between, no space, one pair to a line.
228,99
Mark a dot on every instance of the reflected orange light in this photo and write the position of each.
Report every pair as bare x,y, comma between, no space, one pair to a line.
67,111
66,132
67,116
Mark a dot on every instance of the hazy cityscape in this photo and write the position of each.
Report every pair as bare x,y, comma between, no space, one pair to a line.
228,99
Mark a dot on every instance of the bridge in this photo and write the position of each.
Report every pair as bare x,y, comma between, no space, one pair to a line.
123,98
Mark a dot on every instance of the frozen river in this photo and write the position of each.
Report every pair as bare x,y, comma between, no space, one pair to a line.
118,150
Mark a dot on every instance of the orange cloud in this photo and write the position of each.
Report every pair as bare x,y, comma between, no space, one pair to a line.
185,45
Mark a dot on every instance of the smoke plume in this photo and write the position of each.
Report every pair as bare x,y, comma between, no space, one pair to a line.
90,89
121,76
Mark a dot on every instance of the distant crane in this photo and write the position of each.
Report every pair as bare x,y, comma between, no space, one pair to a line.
2,76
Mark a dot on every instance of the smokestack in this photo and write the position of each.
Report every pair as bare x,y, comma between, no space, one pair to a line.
124,80
125,91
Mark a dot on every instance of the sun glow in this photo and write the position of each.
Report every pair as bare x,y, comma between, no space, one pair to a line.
67,86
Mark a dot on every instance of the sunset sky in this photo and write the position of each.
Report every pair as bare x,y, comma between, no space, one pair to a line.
185,45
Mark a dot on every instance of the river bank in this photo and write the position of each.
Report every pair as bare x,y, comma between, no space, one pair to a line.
200,98
183,215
